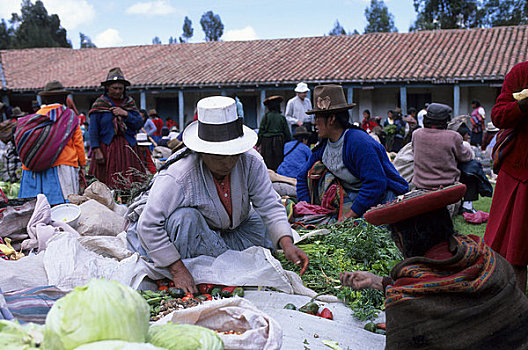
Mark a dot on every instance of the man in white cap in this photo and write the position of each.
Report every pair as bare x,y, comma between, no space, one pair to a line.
296,109
212,196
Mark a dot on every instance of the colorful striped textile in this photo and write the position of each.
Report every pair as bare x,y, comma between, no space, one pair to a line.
5,314
461,296
104,103
41,138
33,304
504,144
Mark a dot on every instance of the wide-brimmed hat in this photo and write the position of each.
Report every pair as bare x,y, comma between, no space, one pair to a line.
52,88
438,111
152,112
301,87
218,129
329,99
491,128
415,203
301,131
273,99
115,75
17,112
142,139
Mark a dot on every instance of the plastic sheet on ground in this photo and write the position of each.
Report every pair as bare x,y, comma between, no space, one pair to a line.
298,327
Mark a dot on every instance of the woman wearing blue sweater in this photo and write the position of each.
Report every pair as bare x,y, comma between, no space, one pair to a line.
358,163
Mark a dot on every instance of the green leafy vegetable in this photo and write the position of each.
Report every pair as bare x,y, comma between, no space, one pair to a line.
100,310
117,345
349,247
174,336
14,337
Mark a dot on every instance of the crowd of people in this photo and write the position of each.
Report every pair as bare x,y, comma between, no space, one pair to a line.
214,192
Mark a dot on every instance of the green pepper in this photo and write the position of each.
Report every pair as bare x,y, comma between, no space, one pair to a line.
290,306
310,308
216,291
176,292
153,301
371,327
238,291
227,292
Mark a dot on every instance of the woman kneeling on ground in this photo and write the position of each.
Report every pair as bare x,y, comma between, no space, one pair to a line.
451,291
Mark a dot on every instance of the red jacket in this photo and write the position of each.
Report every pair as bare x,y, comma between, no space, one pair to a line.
159,124
506,114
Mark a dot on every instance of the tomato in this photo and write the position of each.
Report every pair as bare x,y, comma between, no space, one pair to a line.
163,288
325,313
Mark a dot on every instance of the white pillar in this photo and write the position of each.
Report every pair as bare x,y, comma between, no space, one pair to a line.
260,106
403,99
181,107
142,99
456,100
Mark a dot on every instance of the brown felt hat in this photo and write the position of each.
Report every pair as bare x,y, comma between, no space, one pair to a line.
329,99
52,88
115,75
17,112
273,99
415,203
301,131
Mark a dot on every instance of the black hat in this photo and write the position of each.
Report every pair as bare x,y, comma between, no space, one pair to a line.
273,100
52,88
115,75
300,132
438,111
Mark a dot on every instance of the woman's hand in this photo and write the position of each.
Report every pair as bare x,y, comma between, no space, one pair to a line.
118,111
182,278
98,156
293,253
361,280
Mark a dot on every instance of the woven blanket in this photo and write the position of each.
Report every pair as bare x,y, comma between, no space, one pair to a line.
467,301
104,103
40,139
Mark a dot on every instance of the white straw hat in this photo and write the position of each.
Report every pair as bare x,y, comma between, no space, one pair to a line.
218,129
142,139
301,87
491,128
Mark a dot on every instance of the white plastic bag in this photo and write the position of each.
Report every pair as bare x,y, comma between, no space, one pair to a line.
98,220
259,331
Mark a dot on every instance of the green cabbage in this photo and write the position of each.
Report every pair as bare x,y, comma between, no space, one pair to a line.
117,345
14,337
13,190
174,336
101,310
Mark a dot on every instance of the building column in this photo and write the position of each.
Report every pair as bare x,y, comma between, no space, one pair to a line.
223,93
403,99
456,100
142,99
181,107
350,99
39,99
260,106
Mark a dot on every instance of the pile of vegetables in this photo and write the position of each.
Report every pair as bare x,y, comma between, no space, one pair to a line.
351,246
168,298
105,315
10,189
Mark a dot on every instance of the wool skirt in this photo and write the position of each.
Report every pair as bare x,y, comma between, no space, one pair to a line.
507,229
121,164
273,151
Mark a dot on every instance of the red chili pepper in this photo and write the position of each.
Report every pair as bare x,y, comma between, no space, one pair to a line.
381,326
189,295
162,287
229,289
325,313
205,288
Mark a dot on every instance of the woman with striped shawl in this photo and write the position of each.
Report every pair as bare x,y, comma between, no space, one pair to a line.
451,291
114,123
50,147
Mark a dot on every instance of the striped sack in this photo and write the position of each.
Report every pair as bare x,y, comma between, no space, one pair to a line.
40,139
503,146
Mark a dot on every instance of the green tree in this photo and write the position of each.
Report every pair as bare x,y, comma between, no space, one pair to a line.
188,30
338,29
86,42
379,19
156,40
212,26
506,12
6,35
35,28
447,14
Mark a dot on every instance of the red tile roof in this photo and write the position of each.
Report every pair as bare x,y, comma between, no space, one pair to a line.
428,56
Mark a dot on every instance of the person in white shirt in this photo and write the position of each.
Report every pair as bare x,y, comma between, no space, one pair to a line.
296,111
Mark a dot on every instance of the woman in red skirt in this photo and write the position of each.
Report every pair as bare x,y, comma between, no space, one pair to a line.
114,123
507,229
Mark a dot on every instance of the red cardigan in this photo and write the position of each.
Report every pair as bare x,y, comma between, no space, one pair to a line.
506,114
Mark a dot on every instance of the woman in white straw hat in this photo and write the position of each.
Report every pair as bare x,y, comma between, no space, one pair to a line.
212,196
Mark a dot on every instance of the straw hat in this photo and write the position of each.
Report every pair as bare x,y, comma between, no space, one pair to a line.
491,128
142,139
52,88
415,203
301,87
153,112
115,75
218,129
329,99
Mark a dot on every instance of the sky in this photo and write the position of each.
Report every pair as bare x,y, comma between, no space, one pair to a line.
111,23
